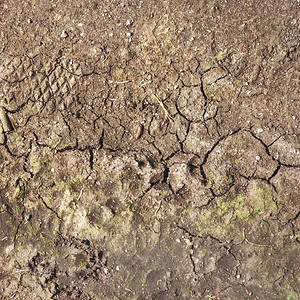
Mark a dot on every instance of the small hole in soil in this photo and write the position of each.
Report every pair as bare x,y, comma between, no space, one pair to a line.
100,255
86,242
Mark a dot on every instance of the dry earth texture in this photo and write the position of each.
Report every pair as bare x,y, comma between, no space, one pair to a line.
149,149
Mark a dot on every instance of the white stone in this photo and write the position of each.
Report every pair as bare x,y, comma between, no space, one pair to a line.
64,34
260,130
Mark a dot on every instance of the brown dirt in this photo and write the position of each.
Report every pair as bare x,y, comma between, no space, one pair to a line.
154,151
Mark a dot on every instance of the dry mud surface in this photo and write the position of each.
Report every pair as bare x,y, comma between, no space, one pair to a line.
149,149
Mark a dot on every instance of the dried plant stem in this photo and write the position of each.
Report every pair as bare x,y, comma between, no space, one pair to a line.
251,243
163,107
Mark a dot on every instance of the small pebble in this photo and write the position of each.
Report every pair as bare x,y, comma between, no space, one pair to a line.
128,23
64,34
129,34
27,217
139,131
29,21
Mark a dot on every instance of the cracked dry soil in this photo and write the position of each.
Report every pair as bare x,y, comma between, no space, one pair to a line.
149,149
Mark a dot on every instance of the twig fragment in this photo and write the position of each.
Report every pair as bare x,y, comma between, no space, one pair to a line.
251,243
121,82
80,194
163,107
158,208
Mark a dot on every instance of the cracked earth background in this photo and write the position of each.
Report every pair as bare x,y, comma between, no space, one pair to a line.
105,196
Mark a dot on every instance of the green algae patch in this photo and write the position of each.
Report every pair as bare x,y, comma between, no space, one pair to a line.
226,217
